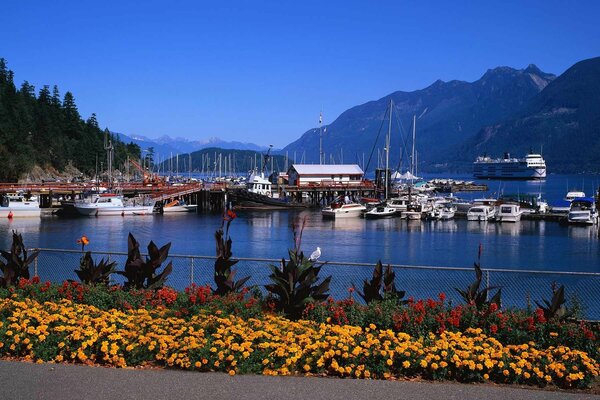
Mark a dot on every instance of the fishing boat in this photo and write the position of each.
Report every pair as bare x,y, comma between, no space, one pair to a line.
509,213
583,211
481,213
178,206
338,210
381,211
17,206
112,204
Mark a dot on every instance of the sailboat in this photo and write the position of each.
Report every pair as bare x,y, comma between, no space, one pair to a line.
383,210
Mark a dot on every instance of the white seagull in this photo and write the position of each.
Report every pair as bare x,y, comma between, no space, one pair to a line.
315,254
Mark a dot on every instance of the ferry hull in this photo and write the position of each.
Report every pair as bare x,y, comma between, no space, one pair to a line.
501,172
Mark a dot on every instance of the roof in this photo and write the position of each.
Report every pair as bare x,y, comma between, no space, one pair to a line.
327,169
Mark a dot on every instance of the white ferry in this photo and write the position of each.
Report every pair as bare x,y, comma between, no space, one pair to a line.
532,166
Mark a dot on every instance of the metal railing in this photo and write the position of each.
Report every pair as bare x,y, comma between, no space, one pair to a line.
520,288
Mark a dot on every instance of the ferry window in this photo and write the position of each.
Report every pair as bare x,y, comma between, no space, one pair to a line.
332,176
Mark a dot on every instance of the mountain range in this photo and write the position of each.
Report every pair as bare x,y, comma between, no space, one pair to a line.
165,146
506,110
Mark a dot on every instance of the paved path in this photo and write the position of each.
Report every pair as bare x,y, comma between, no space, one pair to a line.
59,381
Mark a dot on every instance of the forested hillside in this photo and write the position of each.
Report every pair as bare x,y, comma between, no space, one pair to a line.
46,130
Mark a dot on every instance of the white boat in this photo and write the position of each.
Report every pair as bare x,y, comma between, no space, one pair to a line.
111,204
412,215
399,203
177,206
583,211
570,196
446,213
258,184
17,206
337,210
481,213
381,211
509,213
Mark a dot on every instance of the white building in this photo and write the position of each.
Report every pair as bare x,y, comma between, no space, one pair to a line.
324,175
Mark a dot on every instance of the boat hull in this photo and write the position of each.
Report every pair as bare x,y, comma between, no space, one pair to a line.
10,212
180,209
388,213
335,213
91,211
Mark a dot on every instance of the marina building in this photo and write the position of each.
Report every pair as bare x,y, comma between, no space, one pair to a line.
324,175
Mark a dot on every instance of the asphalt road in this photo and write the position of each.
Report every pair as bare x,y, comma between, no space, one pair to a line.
19,380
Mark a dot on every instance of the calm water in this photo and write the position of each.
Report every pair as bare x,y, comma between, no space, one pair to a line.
525,245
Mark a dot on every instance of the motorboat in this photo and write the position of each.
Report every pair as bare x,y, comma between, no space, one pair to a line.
112,204
17,206
446,213
178,206
564,206
412,215
481,213
574,194
399,203
341,210
509,213
381,211
583,211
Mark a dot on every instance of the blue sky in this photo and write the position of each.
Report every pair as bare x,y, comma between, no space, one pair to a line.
261,71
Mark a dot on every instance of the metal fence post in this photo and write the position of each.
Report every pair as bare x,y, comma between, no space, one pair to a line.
487,284
35,266
192,270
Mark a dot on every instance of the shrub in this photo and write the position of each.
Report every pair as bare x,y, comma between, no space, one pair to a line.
294,283
224,275
17,262
142,274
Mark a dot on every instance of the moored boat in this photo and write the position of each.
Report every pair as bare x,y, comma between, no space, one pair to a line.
381,211
481,213
509,213
111,205
337,210
583,211
17,206
178,206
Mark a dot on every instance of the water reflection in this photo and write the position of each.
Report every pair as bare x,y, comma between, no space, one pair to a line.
527,244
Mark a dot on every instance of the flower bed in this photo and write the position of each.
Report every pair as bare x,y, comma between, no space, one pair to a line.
272,345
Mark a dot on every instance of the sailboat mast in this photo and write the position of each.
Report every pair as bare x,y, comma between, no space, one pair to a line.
412,160
321,138
387,151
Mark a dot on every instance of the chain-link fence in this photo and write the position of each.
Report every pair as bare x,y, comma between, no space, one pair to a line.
520,288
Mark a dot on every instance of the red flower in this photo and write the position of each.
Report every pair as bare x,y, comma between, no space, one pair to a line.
493,307
493,329
442,297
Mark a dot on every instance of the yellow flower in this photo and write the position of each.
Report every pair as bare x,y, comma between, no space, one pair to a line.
406,364
231,372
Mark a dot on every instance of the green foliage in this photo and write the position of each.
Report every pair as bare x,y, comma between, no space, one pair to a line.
479,297
382,285
17,262
48,132
294,284
224,276
555,308
142,274
91,273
